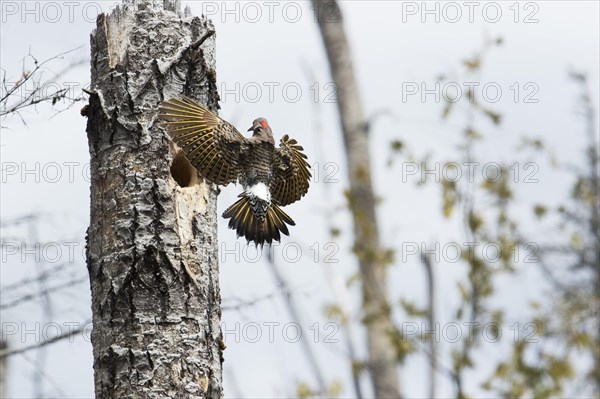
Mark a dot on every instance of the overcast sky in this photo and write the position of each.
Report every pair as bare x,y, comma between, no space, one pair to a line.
271,63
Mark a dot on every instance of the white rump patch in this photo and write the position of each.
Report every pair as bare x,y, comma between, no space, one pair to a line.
261,191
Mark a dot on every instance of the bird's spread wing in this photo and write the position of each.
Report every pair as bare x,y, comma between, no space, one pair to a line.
211,144
291,172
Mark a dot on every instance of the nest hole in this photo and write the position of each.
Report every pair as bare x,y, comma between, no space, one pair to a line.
183,172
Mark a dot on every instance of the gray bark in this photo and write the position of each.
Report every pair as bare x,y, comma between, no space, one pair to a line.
152,242
376,308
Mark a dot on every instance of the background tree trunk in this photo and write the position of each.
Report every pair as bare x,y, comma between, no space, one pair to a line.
431,320
3,361
152,242
372,258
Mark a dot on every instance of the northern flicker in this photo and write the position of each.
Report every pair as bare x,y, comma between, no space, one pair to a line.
271,176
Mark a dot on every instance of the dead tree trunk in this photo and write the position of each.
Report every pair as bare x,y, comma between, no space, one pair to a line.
372,258
152,242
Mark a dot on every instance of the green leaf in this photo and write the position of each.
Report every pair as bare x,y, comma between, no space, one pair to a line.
413,310
540,211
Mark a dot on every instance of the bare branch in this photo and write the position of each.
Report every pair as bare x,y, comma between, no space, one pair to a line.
295,314
245,304
58,338
43,292
425,259
37,78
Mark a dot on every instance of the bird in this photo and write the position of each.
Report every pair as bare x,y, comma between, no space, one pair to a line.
271,177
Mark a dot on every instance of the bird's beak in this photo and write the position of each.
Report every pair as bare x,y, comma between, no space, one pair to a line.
251,128
254,127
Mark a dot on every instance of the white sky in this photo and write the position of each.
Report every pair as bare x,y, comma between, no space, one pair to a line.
393,48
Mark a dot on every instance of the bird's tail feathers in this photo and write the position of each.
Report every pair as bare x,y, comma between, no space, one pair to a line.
243,220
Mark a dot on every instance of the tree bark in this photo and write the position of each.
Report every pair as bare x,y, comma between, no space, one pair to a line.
372,258
152,242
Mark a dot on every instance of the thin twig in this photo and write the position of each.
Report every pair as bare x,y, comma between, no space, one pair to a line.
425,259
254,301
71,333
34,295
295,314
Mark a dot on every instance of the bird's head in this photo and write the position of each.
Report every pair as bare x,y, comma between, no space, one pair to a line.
259,126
